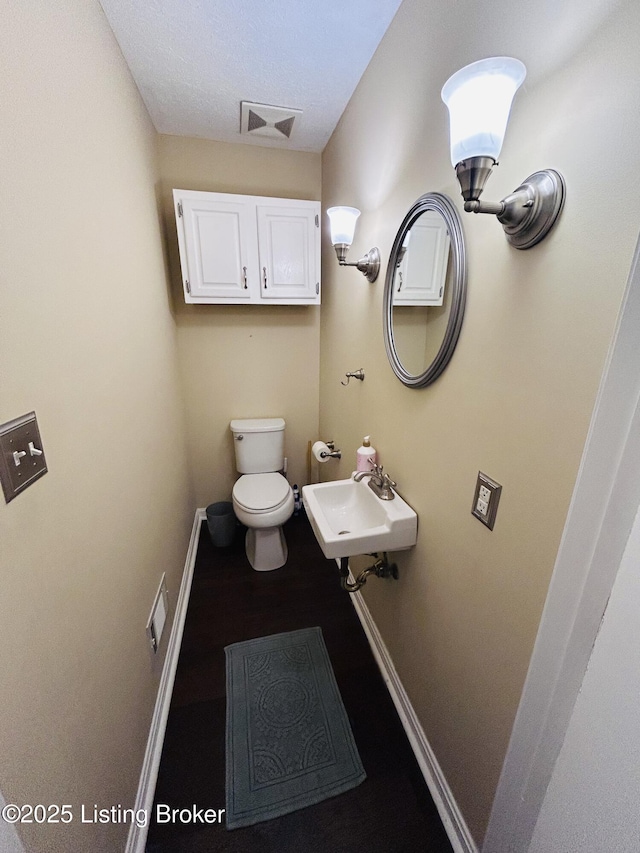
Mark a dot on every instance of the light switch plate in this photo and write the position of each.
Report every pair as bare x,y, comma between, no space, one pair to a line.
486,499
22,458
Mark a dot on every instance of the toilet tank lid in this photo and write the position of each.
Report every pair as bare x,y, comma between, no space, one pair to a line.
257,424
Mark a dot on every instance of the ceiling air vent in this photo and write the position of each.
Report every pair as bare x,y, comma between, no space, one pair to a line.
266,120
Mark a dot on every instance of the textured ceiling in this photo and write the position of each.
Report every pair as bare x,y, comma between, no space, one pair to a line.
194,61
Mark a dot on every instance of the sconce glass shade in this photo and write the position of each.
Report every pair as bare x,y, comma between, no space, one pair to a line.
479,98
343,224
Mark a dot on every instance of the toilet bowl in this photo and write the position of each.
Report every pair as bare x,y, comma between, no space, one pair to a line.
262,498
263,502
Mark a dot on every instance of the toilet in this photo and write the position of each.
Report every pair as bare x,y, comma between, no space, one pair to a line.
262,497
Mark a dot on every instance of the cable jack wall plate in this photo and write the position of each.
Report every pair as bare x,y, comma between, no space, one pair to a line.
486,499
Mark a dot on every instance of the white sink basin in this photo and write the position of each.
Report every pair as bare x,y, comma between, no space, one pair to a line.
348,519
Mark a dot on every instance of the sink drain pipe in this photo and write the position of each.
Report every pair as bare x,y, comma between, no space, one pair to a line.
382,568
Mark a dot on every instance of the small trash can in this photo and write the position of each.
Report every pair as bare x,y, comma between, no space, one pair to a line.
221,522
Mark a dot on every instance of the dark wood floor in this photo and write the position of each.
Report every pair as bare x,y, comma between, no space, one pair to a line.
390,812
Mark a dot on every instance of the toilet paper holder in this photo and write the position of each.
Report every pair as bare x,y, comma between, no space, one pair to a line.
330,452
333,453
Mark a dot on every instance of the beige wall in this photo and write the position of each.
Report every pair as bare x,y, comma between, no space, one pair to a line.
516,399
241,361
87,340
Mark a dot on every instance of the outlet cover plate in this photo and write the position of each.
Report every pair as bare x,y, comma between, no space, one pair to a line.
21,455
486,499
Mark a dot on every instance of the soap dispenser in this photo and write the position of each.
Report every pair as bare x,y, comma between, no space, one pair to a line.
366,455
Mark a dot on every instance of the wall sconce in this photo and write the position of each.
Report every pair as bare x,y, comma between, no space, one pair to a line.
343,226
479,99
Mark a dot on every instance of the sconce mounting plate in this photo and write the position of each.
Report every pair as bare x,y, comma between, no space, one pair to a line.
532,209
369,266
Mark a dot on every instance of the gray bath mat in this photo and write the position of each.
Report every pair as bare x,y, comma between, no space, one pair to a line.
289,743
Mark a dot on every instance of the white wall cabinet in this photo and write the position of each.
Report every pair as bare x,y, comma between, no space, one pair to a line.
254,250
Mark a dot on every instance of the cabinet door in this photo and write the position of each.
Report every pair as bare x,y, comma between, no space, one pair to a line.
289,251
219,249
422,275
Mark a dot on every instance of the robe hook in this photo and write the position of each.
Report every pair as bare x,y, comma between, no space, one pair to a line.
357,374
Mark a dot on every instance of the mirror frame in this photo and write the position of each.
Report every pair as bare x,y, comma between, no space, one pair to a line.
443,205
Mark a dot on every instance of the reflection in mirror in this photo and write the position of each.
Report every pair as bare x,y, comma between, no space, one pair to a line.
423,261
425,291
419,331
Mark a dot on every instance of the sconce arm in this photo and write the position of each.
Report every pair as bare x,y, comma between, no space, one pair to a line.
512,211
528,213
369,265
476,206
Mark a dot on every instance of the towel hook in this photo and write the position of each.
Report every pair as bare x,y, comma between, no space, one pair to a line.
357,374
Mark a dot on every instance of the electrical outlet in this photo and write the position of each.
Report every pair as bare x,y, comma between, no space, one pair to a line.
485,500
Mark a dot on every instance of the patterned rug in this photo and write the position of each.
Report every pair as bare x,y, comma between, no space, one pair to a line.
289,743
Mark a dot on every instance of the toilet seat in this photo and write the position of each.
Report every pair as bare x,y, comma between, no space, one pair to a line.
260,493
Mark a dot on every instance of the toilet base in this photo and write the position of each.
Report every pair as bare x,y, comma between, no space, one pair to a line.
266,548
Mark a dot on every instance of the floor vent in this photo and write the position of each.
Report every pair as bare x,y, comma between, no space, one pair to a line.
158,616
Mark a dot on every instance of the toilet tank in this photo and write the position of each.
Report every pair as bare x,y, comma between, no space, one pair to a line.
258,444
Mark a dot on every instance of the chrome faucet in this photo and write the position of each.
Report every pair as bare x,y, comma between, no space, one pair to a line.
380,483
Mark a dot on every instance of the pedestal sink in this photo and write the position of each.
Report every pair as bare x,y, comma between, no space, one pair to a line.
349,519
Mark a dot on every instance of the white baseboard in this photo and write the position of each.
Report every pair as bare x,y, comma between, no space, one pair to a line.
450,814
9,839
137,839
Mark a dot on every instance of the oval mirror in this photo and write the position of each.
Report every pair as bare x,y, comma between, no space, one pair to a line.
425,291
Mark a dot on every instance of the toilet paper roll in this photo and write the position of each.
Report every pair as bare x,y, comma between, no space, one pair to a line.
320,448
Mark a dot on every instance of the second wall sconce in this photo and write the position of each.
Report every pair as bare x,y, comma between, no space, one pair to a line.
343,226
479,100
